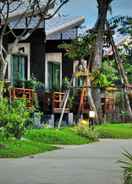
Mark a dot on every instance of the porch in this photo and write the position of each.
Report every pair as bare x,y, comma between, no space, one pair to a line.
48,102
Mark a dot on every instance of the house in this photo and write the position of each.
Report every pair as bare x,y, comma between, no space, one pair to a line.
42,58
45,61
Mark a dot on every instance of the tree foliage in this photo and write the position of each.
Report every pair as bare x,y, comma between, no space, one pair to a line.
123,25
79,48
107,75
126,54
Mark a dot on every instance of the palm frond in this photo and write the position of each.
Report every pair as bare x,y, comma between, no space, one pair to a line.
127,167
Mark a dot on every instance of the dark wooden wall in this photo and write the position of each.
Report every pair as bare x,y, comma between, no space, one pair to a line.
37,55
38,49
67,67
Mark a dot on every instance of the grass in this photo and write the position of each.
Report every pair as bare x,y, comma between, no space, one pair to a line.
41,140
38,141
64,136
19,148
118,131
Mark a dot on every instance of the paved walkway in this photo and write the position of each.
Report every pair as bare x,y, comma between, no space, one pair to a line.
86,164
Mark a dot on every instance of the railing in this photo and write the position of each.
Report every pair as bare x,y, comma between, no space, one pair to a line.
19,93
53,102
57,101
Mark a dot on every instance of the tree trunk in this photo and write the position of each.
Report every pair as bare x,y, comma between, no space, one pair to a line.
1,71
98,55
1,79
100,29
3,68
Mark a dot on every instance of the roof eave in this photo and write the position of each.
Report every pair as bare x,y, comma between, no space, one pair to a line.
74,23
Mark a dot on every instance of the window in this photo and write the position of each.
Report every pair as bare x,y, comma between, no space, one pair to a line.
79,82
18,68
80,66
54,75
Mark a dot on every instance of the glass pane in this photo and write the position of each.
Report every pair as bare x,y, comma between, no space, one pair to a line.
15,71
54,75
18,64
79,82
21,63
50,80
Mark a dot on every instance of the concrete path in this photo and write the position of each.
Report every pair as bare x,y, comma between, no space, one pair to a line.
86,164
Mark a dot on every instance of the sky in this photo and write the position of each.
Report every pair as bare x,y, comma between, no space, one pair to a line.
88,9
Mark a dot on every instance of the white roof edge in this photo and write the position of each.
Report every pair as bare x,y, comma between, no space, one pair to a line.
126,38
70,24
27,13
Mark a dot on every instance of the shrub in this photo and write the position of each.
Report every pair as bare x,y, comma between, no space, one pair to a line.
85,131
13,117
127,166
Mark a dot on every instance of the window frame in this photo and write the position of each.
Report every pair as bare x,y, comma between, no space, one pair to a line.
55,57
25,66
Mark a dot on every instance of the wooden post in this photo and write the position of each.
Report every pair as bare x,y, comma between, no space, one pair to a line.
65,99
63,109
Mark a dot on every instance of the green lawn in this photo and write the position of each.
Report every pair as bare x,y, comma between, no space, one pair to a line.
122,131
17,148
41,140
55,136
38,141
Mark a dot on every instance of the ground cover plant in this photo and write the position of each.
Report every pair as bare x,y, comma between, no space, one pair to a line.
119,131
